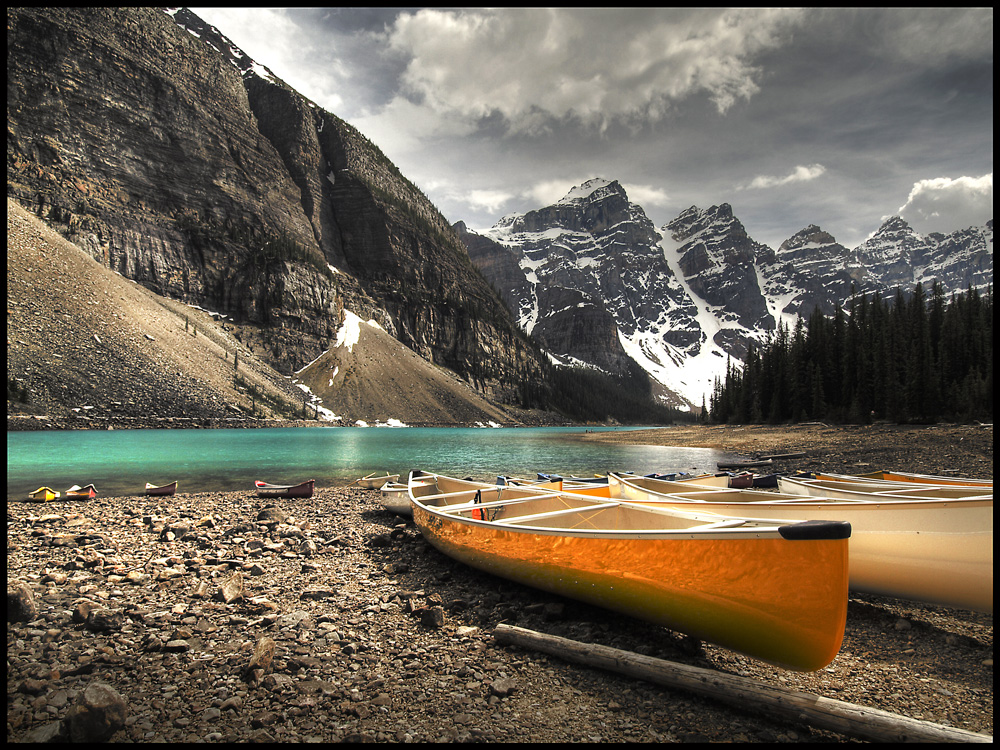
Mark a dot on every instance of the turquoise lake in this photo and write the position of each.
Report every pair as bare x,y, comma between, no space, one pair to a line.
120,462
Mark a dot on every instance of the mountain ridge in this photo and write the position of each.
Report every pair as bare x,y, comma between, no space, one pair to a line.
706,288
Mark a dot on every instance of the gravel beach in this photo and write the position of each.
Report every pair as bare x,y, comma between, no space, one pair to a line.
223,617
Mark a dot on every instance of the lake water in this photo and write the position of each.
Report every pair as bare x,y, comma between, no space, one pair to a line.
120,462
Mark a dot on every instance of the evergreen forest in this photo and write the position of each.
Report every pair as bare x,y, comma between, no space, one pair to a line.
916,358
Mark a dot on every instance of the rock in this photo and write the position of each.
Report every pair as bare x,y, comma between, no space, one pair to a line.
272,514
503,687
260,662
432,617
21,605
97,714
105,620
232,588
55,731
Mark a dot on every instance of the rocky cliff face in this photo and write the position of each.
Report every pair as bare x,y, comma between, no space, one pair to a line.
153,142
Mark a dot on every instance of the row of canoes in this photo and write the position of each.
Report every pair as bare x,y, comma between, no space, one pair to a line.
765,573
263,489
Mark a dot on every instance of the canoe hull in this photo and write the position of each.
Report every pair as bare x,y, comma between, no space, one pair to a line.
396,499
374,483
163,490
302,490
899,476
760,596
77,492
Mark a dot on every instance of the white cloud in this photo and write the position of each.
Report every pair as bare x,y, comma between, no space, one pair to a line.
801,173
647,195
536,65
275,38
547,192
489,200
946,205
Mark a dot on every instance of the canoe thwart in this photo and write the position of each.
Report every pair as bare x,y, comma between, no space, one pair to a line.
816,530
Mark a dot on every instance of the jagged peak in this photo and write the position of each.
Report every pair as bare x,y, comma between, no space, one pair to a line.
894,224
810,235
597,187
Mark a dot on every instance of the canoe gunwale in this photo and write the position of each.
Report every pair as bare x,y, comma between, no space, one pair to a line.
716,525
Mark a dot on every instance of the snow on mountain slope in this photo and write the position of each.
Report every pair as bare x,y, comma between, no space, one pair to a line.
595,284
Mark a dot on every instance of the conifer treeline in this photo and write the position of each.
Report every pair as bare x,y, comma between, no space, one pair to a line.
914,359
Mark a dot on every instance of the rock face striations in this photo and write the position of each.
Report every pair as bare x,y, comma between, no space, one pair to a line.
154,143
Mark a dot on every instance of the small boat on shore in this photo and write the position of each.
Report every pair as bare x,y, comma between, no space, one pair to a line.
395,499
162,490
749,463
900,476
851,490
43,495
775,591
926,549
303,489
374,482
76,492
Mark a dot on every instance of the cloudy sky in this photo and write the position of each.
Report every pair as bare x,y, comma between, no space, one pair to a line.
835,117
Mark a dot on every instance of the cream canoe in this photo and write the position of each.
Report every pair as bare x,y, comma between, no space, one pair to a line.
373,482
777,592
851,490
901,476
929,550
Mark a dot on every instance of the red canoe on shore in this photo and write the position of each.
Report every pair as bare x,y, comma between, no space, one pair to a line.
303,489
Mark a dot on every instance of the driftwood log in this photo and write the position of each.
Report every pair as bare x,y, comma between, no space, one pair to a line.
747,694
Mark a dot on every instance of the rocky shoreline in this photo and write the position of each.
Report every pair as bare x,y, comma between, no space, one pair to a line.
225,617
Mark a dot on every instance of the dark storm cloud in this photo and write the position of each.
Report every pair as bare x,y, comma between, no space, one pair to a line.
830,116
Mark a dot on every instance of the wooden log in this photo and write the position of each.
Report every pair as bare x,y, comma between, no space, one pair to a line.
747,694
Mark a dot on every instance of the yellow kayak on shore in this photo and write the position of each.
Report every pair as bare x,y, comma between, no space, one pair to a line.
777,592
43,494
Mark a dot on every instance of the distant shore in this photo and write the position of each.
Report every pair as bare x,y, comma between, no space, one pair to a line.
29,422
957,449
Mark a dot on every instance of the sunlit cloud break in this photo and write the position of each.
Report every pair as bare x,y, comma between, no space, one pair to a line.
799,174
534,66
943,204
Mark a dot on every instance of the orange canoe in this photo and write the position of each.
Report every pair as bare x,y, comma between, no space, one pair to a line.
777,592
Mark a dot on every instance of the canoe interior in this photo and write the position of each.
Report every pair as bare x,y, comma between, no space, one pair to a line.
525,507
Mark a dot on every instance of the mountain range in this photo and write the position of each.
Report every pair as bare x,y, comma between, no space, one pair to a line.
594,282
151,142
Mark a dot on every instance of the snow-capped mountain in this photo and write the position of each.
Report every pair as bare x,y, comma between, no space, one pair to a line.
593,281
897,256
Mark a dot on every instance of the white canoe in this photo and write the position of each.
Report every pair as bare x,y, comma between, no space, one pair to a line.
396,499
775,591
929,550
373,482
